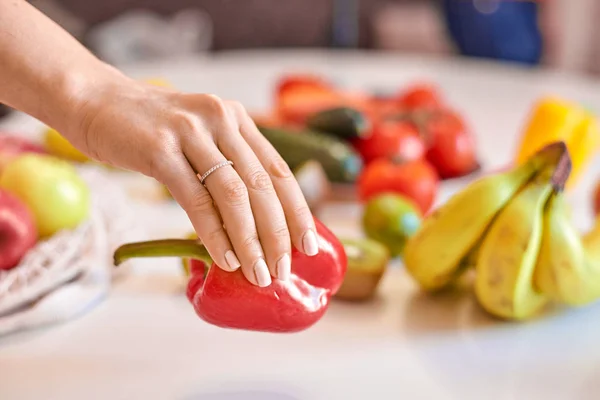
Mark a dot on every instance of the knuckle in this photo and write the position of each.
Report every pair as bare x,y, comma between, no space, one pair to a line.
200,202
281,231
237,107
302,213
278,168
250,241
258,180
216,107
235,192
213,236
186,124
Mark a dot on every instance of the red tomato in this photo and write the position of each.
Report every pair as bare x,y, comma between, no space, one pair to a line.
452,148
299,95
293,81
421,96
295,105
416,180
383,107
391,139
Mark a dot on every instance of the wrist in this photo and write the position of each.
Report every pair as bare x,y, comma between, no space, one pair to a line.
75,91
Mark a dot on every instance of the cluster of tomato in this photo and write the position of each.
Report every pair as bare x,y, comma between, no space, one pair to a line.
416,142
413,141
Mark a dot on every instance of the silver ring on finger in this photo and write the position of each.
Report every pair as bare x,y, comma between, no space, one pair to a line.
213,169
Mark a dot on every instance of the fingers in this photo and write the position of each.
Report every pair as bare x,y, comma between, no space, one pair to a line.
247,215
185,187
270,219
299,218
231,196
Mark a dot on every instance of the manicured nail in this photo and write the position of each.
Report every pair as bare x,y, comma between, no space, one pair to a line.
284,267
261,272
232,260
309,241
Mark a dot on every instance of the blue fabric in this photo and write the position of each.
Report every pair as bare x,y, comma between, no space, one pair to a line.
508,30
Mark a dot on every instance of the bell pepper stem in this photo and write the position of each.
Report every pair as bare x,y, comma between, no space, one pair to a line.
184,248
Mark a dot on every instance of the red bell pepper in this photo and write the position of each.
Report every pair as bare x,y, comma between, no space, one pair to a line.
228,300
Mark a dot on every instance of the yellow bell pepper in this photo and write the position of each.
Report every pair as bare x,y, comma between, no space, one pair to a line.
554,119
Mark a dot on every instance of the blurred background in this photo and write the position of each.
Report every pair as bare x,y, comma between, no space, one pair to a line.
545,33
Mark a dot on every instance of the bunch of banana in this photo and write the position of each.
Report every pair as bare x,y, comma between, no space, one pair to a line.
514,229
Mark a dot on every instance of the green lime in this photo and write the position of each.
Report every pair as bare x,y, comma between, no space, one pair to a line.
391,219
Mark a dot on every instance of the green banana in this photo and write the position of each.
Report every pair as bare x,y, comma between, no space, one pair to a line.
507,258
437,253
568,266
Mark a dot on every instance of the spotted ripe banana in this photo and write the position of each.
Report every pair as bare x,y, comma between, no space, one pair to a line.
568,266
505,266
435,255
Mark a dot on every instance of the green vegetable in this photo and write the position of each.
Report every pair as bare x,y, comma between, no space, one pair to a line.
343,122
341,162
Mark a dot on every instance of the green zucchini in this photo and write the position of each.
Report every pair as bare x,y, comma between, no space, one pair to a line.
343,122
341,162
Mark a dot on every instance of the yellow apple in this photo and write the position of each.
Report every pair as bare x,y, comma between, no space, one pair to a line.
52,189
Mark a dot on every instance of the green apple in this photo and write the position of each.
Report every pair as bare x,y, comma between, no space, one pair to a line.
52,189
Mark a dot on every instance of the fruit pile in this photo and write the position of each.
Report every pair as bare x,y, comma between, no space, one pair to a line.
513,231
40,195
401,143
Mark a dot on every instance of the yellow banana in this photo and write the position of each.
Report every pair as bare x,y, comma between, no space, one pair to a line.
568,267
508,255
435,255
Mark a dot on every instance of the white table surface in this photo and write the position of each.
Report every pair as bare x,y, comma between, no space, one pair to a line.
145,342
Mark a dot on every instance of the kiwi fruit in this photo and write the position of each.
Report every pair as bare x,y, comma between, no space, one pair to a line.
367,263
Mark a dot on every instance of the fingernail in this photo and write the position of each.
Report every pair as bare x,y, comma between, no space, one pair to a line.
309,241
261,272
232,260
284,267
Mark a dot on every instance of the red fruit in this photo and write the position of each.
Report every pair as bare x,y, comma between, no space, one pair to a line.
299,95
451,149
421,96
383,107
17,230
295,105
295,81
417,180
391,139
12,146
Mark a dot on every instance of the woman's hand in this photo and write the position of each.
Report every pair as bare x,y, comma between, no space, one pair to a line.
248,214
